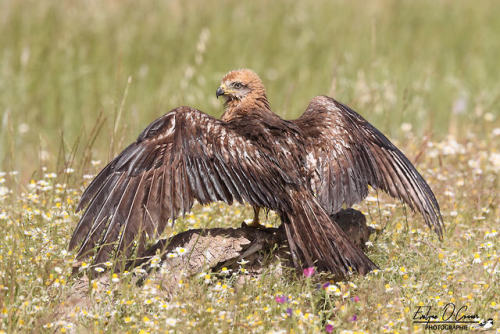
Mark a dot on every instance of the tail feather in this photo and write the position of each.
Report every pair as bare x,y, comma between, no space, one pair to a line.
315,239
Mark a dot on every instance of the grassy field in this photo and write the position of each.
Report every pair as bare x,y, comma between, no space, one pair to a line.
80,79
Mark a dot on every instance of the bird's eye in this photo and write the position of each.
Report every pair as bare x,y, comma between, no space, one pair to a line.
237,85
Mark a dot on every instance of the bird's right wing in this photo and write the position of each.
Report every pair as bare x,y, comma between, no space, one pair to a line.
183,156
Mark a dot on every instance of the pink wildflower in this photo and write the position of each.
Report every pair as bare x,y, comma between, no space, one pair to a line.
308,272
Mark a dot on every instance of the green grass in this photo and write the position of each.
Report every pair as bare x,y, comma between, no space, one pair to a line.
80,79
64,63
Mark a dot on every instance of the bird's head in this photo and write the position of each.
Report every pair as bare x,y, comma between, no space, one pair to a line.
240,87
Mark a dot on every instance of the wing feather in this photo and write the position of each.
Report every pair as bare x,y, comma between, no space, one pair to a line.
130,230
112,233
92,224
355,154
181,157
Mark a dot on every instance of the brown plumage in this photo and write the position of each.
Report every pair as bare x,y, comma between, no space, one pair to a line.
305,170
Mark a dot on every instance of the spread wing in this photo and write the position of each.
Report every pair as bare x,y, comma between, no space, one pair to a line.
346,154
183,156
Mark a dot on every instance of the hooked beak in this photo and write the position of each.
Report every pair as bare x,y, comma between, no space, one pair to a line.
220,91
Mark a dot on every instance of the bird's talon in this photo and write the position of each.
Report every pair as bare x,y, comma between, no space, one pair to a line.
253,225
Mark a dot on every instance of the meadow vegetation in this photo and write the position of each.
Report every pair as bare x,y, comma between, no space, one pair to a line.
80,79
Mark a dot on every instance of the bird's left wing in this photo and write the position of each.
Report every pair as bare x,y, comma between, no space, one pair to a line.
183,156
346,154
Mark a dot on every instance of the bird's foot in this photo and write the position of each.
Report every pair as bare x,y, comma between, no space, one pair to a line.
254,224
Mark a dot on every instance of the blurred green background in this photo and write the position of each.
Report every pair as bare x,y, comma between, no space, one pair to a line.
65,66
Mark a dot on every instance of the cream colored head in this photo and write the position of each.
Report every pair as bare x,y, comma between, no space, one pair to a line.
240,85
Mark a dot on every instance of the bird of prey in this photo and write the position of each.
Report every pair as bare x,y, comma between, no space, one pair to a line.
305,170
